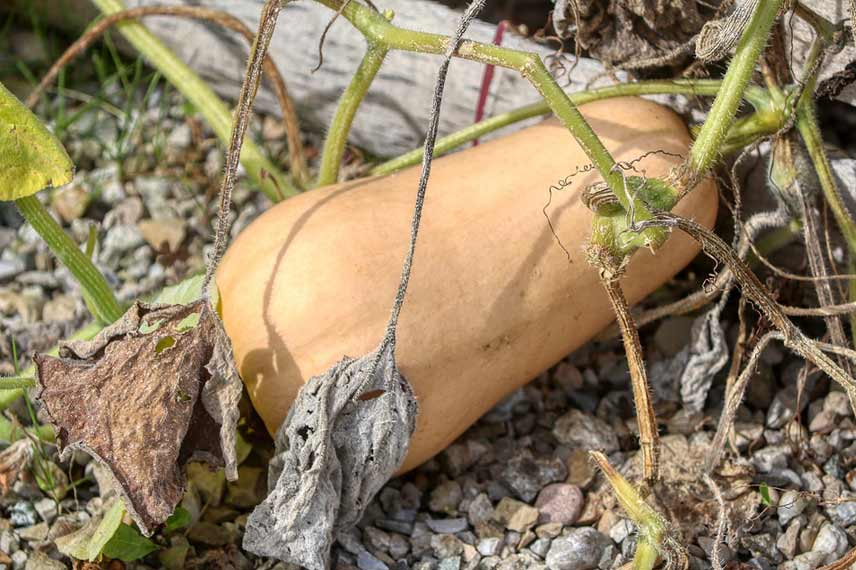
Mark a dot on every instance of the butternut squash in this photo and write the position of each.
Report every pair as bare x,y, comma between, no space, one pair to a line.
493,299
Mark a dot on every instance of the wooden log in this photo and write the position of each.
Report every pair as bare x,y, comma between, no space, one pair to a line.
395,113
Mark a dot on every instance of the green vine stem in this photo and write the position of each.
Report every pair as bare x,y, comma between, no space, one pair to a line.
702,87
706,149
337,136
16,382
379,31
97,292
262,171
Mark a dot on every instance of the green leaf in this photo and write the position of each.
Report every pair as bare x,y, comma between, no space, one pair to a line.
181,293
127,545
765,495
177,520
31,158
88,542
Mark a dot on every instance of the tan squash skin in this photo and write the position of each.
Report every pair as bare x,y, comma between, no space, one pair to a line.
493,299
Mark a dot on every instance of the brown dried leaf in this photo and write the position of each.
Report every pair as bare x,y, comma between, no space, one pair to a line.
150,393
13,460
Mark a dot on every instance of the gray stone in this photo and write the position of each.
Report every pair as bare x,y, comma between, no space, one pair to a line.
19,560
791,505
122,238
515,515
36,533
367,561
581,549
540,547
447,526
845,513
584,431
788,542
489,546
398,546
23,513
525,475
771,457
806,561
9,542
376,538
831,541
762,545
621,530
446,497
559,502
446,545
40,561
452,563
9,268
480,509
401,527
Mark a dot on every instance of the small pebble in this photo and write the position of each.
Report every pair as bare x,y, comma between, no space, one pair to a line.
447,526
515,515
581,549
559,503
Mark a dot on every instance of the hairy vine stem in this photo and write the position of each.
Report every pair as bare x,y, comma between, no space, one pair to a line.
706,149
752,288
611,270
249,88
379,31
340,126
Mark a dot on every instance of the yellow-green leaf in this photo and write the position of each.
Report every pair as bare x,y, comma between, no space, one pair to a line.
31,158
88,542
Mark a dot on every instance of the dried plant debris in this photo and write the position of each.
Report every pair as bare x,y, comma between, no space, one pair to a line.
689,374
346,433
150,393
621,31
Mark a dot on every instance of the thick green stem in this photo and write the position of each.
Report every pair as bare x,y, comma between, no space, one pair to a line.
706,150
261,170
102,302
701,87
377,30
811,135
337,136
16,382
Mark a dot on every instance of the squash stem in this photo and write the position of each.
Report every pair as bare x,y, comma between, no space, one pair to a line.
706,149
100,299
262,171
337,136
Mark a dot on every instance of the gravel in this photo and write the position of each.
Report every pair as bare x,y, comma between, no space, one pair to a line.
516,491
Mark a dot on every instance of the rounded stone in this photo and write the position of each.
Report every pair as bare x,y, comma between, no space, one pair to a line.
559,503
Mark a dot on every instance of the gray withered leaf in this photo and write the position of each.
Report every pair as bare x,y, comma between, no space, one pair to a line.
346,434
153,391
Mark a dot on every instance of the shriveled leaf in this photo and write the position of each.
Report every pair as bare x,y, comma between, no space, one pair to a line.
127,545
31,158
13,461
335,450
690,373
87,542
144,404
